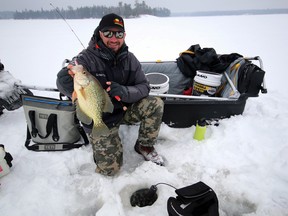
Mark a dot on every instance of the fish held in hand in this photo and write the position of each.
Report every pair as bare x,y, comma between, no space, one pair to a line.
91,99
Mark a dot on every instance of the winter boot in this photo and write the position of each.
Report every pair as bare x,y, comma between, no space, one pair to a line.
149,154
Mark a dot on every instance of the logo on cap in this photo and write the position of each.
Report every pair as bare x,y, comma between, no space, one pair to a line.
118,22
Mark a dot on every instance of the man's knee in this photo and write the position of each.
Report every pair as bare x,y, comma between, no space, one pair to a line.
156,101
152,106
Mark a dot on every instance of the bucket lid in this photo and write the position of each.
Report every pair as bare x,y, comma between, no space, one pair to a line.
209,74
157,78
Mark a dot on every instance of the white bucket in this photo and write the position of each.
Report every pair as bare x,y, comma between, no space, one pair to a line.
159,82
4,168
206,83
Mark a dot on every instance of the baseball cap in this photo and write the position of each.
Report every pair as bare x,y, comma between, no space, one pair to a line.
111,21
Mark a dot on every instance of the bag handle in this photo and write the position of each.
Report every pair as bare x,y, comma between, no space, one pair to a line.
55,146
50,126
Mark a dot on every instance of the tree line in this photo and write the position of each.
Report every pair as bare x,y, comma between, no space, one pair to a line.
124,10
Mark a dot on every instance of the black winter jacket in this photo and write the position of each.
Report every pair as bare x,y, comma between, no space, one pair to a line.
105,65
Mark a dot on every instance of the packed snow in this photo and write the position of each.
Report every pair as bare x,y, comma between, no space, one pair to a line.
244,159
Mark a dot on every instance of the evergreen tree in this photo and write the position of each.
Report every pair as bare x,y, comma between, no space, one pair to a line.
124,10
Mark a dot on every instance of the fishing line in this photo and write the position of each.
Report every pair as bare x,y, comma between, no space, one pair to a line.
56,9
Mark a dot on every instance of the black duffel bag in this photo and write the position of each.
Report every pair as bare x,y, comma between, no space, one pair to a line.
194,200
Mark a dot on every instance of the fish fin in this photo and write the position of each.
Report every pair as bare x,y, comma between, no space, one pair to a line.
82,116
74,96
100,130
82,92
108,105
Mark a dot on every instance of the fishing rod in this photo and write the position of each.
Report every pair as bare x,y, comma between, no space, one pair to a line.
56,9
41,88
34,87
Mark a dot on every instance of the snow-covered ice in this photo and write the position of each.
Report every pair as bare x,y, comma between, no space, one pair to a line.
244,159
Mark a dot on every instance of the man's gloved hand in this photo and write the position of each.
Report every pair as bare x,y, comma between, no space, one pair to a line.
115,89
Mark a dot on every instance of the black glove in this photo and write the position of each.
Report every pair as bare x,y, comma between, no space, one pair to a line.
1,66
118,90
64,82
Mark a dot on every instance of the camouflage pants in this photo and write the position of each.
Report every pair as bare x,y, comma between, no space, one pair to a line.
108,150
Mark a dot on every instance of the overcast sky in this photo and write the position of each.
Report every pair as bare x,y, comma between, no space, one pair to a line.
172,5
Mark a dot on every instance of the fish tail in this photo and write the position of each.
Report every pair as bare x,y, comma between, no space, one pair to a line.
100,130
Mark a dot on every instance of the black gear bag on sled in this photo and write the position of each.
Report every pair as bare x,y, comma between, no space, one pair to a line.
52,124
194,200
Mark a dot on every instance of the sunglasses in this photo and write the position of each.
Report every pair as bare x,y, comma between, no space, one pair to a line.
109,34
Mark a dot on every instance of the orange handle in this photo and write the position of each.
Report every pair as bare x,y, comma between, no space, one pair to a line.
119,99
